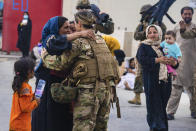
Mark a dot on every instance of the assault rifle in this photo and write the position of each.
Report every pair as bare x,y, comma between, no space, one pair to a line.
157,11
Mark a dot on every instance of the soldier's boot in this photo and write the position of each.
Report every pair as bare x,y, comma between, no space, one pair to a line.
136,100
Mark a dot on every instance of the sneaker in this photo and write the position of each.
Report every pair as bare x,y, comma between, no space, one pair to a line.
193,115
170,117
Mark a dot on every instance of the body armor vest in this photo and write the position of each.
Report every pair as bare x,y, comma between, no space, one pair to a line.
101,66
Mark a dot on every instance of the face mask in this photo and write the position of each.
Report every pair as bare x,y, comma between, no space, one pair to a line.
25,16
187,20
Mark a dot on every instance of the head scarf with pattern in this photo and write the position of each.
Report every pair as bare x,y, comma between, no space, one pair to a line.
155,47
50,28
51,31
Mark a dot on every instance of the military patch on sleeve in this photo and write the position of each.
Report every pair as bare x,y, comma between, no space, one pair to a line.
25,91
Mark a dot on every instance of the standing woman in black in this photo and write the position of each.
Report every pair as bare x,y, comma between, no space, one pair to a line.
24,34
50,115
157,82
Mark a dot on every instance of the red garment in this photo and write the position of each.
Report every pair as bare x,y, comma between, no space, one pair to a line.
22,106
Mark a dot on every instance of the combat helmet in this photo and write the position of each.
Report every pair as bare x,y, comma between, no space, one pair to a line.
83,4
145,8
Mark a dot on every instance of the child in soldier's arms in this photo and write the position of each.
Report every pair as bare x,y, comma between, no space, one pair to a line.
171,49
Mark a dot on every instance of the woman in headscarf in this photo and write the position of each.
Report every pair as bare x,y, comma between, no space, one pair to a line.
157,83
24,34
52,116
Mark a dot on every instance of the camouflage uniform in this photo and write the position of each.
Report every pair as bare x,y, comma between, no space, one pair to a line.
91,110
138,85
140,32
94,72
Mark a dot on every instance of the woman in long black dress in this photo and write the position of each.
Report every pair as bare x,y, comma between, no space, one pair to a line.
24,34
52,116
157,82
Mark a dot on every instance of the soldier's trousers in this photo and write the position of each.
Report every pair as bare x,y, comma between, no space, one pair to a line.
138,85
174,99
91,112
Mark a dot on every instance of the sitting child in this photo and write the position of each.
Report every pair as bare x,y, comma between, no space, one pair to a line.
171,49
128,79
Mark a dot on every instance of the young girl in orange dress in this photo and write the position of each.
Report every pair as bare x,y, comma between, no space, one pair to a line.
23,102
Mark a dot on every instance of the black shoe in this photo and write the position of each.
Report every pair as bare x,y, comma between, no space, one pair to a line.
193,115
170,117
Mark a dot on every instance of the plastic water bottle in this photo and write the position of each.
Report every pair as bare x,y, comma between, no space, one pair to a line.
40,88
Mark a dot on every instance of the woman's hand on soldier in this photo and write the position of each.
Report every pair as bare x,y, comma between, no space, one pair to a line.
88,33
85,33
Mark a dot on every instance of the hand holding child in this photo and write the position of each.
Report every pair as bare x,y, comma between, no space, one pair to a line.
163,60
172,61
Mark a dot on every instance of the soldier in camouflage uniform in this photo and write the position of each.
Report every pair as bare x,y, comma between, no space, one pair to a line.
140,34
93,71
50,115
106,27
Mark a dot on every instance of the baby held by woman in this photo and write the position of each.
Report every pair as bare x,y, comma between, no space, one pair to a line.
171,49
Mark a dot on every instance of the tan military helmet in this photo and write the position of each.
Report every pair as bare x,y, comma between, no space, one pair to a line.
145,8
83,4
